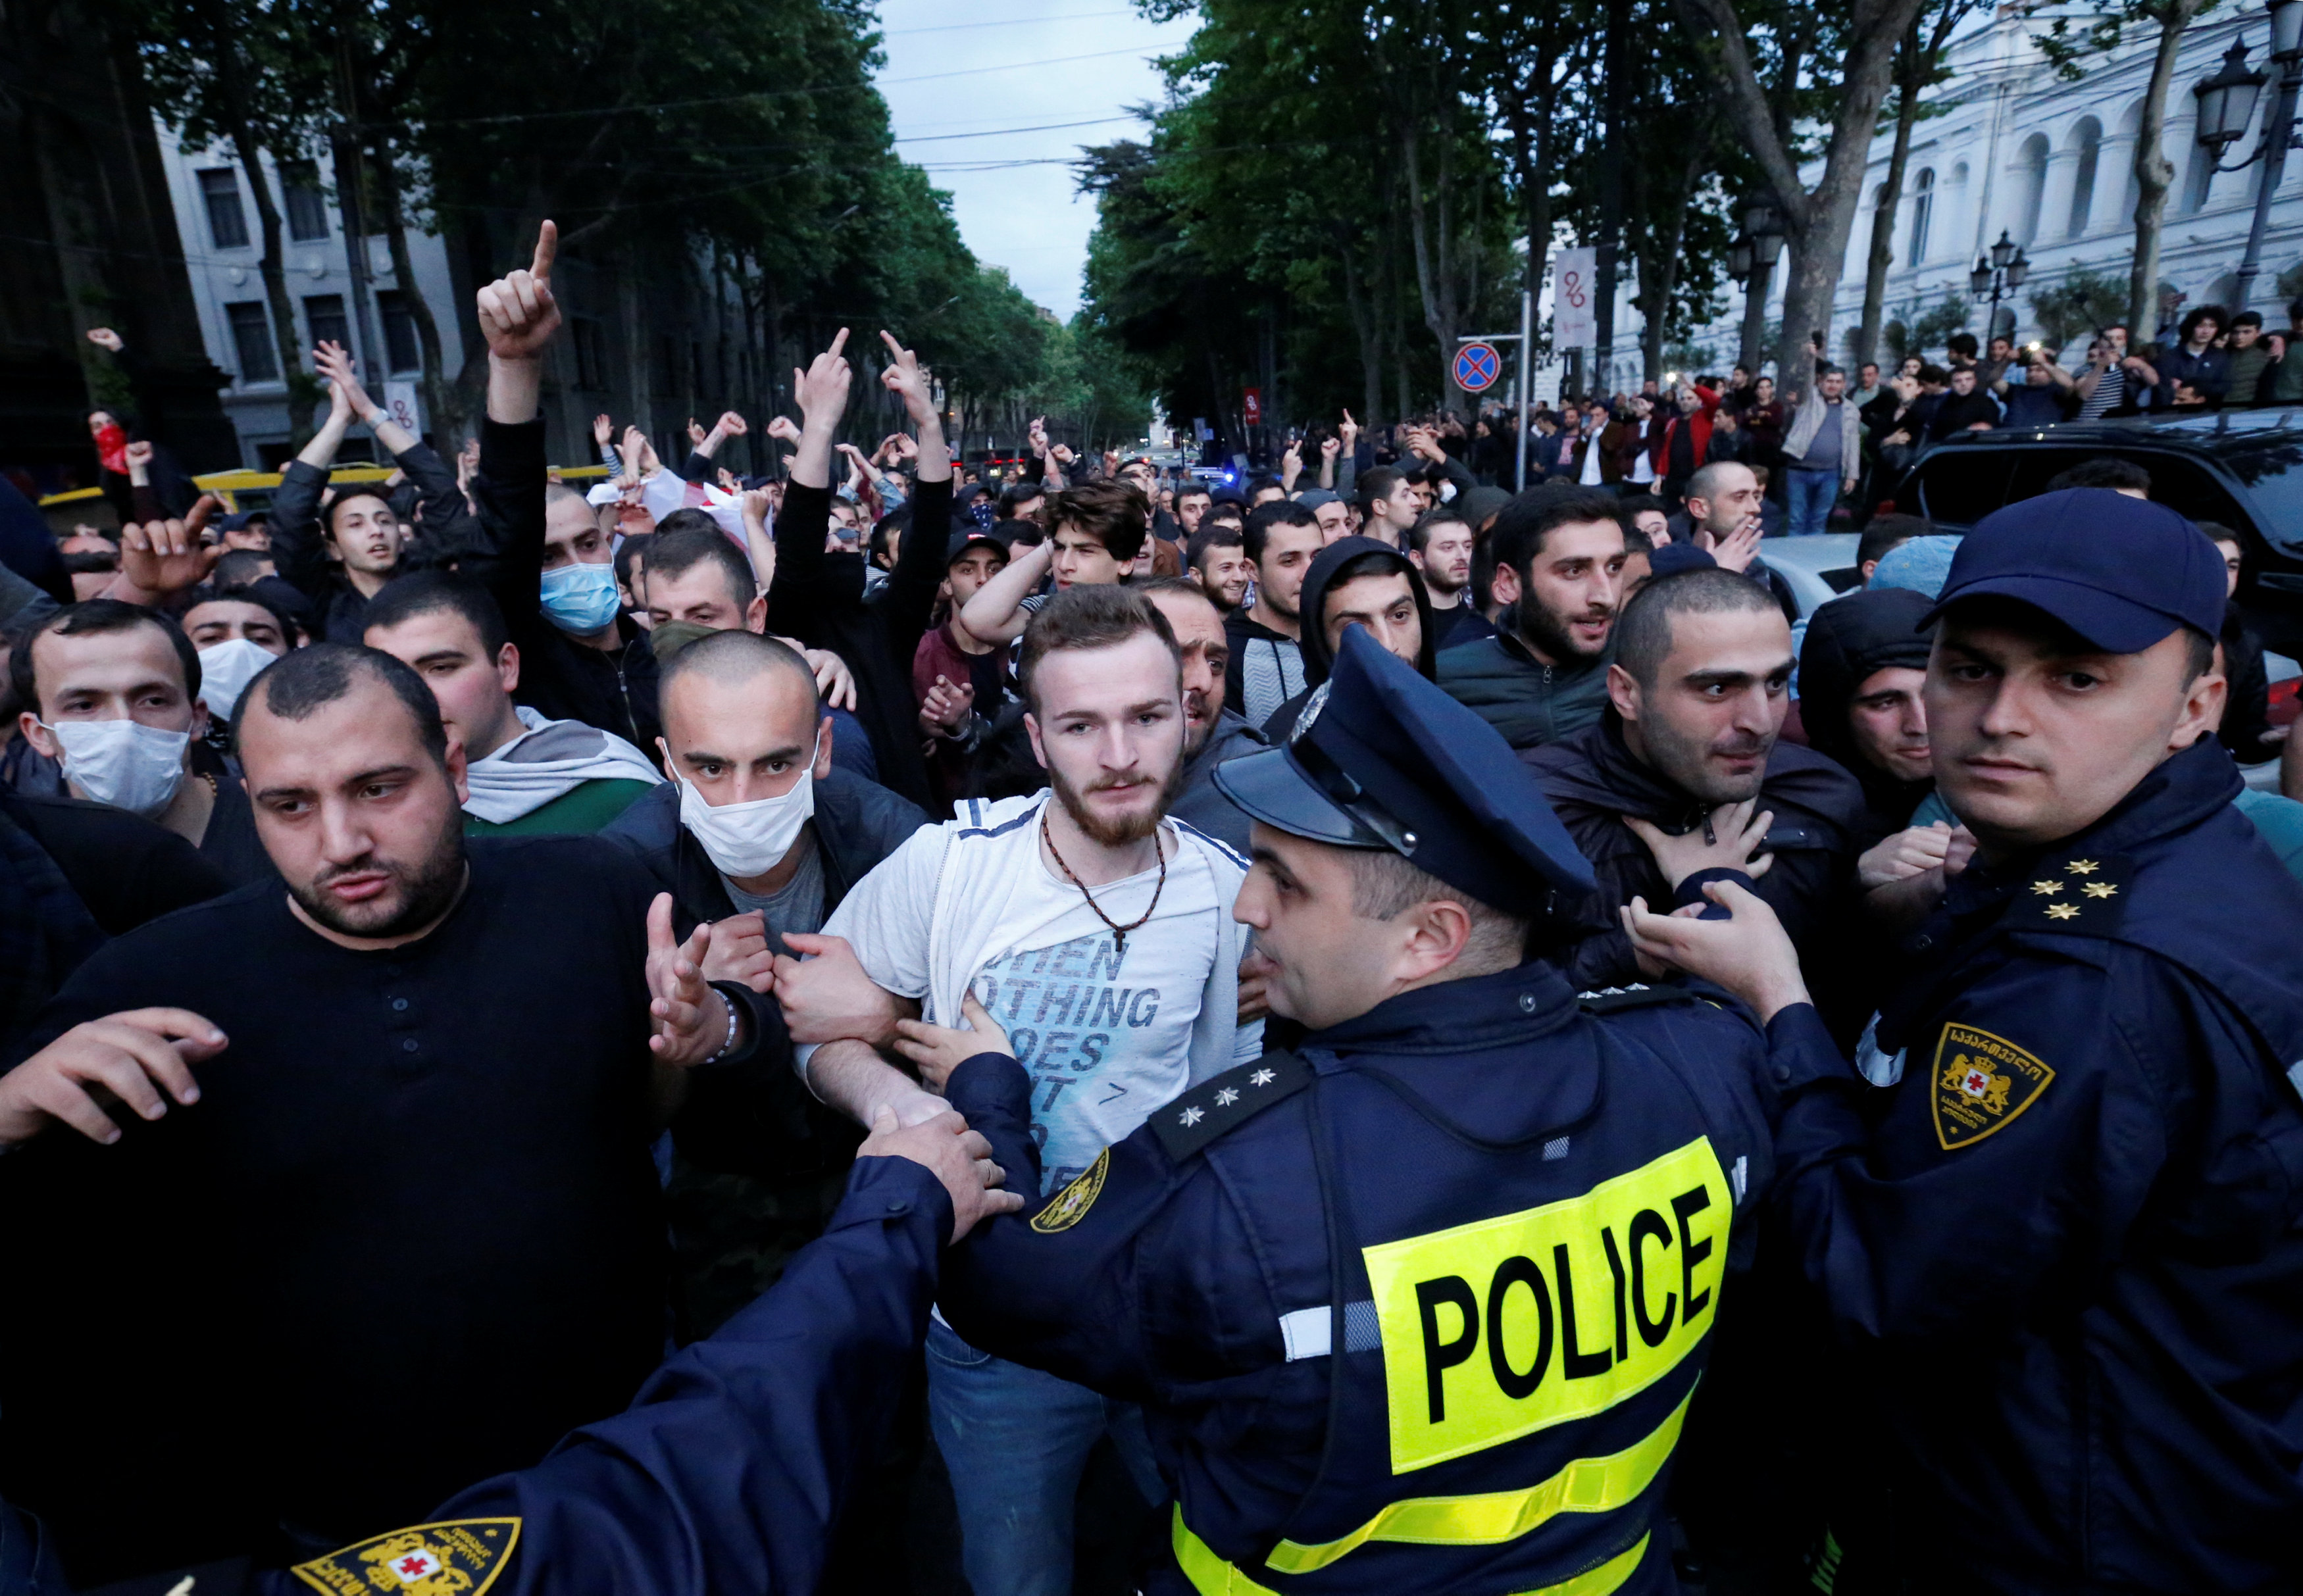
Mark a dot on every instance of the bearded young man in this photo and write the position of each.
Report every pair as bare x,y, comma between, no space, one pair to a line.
1559,566
1097,931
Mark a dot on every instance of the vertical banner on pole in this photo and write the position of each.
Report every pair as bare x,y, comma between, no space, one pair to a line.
1574,320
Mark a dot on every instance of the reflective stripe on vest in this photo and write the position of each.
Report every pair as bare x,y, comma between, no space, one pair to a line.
1586,1485
1211,1575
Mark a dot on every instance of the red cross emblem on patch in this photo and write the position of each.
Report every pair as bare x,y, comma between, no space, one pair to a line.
415,1565
1975,1083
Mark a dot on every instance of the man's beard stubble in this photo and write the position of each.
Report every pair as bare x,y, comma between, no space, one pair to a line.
426,890
1119,833
1543,630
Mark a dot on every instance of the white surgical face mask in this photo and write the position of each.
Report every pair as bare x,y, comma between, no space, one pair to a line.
745,840
226,669
124,763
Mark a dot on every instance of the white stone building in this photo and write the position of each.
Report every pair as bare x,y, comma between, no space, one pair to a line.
217,218
2012,146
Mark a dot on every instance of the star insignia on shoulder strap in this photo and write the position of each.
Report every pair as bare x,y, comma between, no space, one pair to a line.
2083,867
2063,912
2094,906
2045,887
1215,1108
2100,889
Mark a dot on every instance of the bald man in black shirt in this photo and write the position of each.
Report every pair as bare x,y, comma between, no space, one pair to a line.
368,1214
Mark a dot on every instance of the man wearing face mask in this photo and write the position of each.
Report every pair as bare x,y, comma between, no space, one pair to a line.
527,775
237,635
112,692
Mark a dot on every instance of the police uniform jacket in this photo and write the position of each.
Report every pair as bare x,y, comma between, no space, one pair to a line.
2065,1241
1513,1218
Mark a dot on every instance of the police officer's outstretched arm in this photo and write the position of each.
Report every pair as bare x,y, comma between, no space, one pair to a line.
731,1465
1970,1229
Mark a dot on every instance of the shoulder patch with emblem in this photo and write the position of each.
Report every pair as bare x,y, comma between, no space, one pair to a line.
1981,1083
459,1556
1069,1206
2086,894
1214,1107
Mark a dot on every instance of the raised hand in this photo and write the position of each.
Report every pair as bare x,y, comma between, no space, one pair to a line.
1038,434
518,313
1349,431
138,455
696,434
1330,448
105,338
732,425
904,378
691,1020
603,431
1739,548
167,556
821,390
785,428
128,1058
946,707
334,365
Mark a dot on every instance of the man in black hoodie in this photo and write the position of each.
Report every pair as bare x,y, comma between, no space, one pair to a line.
1357,581
1860,671
1684,776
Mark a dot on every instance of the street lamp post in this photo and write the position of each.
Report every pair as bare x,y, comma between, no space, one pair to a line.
2226,110
1998,277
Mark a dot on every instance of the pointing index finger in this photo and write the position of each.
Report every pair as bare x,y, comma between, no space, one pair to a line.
838,341
547,244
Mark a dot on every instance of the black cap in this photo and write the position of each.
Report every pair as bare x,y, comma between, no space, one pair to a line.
1379,757
962,542
2121,572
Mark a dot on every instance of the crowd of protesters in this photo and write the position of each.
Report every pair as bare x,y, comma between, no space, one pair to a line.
477,917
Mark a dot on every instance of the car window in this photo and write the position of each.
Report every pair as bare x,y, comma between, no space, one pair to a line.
1957,487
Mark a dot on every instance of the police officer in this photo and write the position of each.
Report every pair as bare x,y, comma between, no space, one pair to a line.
2057,1212
730,1467
1420,1306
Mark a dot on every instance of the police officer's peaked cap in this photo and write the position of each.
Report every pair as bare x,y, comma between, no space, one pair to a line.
2121,572
1382,758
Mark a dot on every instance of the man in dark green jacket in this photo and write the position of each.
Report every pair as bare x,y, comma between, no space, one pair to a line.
1559,561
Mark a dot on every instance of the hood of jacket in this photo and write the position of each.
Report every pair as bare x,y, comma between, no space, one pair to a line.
1847,640
1317,658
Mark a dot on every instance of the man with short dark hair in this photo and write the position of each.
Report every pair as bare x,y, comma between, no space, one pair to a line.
1823,452
1266,666
1559,556
1388,504
696,575
1441,546
1685,775
2089,1058
1358,583
523,775
1965,408
1216,558
436,1078
1213,731
1192,502
112,692
2194,374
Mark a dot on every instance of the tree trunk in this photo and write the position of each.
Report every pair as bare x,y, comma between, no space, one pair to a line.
304,390
1363,323
1912,70
1607,252
446,416
1817,223
1434,282
1751,338
2153,175
1660,269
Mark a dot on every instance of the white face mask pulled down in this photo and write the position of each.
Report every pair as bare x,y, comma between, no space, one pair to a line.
124,763
744,840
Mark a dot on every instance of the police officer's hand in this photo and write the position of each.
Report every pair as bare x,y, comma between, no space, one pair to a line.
1749,954
692,1023
1726,841
937,1050
739,953
955,1156
826,996
127,1057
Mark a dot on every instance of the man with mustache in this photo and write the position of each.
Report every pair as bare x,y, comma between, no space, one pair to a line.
1683,776
387,1127
1559,561
1097,929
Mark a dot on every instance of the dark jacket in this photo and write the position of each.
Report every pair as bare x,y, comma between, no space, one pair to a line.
1529,702
819,599
614,689
1198,804
2208,372
1317,659
299,548
1847,640
1593,782
2080,1194
1957,412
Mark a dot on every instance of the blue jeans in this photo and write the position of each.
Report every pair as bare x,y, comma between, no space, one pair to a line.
1809,496
1015,1441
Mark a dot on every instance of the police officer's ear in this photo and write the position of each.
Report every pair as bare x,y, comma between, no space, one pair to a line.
1623,692
1433,936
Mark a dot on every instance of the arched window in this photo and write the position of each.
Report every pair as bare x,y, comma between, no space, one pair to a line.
1923,208
2030,189
2088,139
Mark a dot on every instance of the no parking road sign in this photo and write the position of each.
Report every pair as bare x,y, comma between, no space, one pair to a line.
1476,367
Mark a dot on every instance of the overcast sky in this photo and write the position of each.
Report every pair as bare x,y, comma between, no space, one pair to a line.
981,94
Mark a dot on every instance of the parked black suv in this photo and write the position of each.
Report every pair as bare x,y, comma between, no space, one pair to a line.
2241,467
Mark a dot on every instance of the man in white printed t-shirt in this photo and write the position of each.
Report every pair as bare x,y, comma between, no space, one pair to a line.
1097,933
